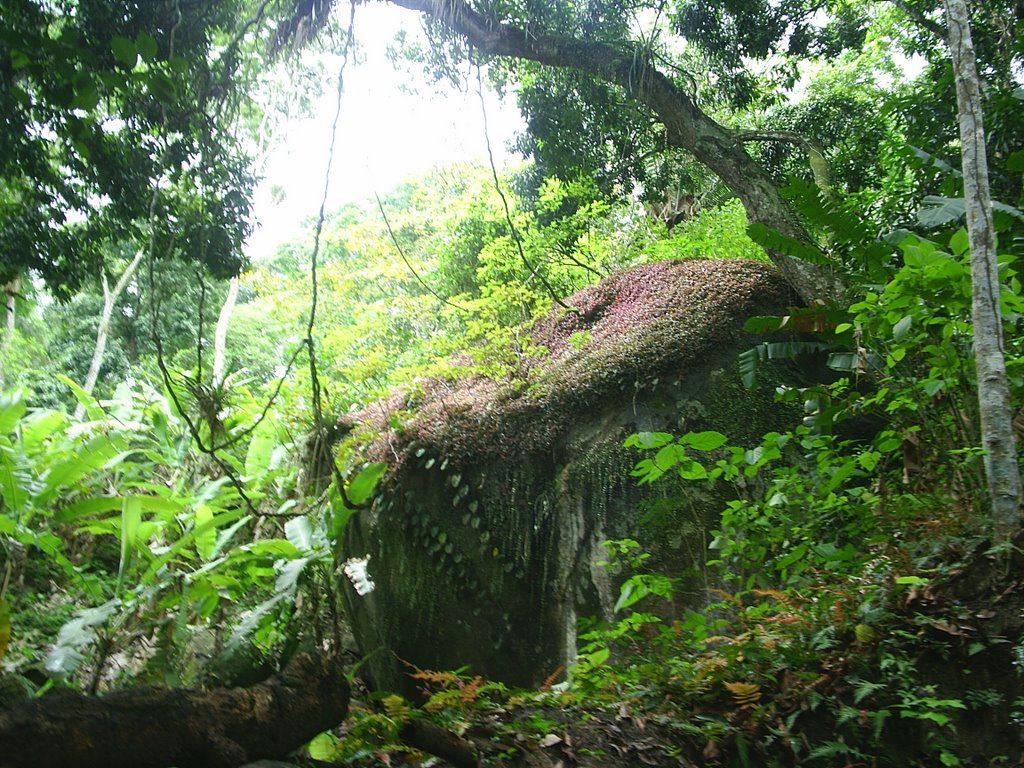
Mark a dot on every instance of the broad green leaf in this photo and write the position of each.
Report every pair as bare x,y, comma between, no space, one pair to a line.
362,486
902,328
206,532
339,517
299,532
224,537
87,94
631,592
648,440
704,441
12,408
162,87
960,242
938,162
16,484
87,459
187,539
1012,210
40,426
66,655
669,456
131,518
749,360
94,505
272,548
938,211
92,406
164,509
145,44
762,323
843,361
211,490
692,470
912,581
260,452
326,747
124,51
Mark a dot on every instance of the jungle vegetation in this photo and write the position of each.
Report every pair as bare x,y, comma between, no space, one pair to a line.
174,471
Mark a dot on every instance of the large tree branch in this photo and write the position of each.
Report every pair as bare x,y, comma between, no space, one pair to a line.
154,727
110,298
631,68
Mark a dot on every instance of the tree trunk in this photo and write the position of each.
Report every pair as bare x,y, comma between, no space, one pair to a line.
109,299
11,291
220,342
156,727
11,294
997,438
686,126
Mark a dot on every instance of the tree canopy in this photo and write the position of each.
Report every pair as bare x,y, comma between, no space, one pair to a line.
117,121
523,409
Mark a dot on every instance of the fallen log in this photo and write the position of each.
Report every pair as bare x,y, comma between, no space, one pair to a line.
159,727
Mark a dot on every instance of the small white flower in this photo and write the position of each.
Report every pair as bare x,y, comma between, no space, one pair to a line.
355,569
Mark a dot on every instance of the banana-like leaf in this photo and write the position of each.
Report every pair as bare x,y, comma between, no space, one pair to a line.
12,408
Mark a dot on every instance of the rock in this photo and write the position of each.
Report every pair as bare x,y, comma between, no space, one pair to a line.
485,535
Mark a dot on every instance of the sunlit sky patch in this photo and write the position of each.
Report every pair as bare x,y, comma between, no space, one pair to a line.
390,128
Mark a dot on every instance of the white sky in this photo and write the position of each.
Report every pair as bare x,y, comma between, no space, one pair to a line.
385,134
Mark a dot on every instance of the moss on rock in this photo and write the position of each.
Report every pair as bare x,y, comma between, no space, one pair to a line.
485,533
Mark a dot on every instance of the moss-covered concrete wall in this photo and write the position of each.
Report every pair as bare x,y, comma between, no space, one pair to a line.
485,534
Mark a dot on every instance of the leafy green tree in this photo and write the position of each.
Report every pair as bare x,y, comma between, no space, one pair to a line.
104,103
1002,469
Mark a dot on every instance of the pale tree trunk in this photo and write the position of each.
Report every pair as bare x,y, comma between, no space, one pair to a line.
220,341
997,438
11,293
11,289
110,298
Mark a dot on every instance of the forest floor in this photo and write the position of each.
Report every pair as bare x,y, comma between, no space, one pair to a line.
962,634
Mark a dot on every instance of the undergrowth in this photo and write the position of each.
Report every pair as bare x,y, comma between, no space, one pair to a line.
840,632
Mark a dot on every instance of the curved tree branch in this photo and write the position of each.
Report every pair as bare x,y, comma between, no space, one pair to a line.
686,125
815,154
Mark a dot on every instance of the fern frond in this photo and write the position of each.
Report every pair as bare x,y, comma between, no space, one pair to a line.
746,695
